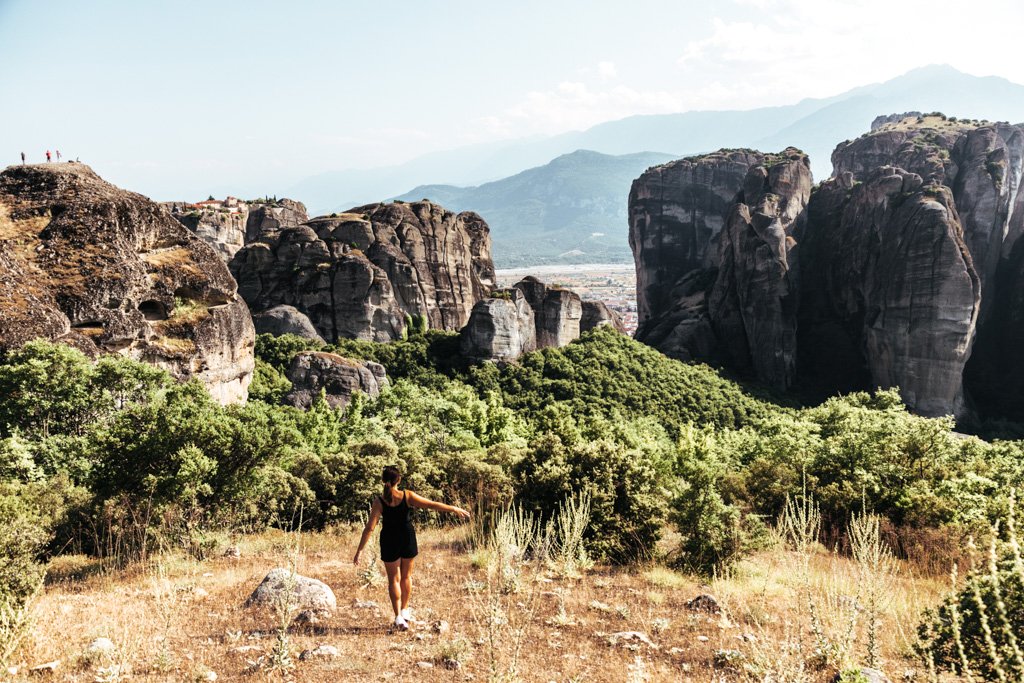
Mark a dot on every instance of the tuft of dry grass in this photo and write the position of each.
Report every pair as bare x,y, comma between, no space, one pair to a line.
177,617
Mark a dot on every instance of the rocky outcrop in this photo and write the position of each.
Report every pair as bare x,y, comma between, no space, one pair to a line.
556,312
980,162
285,320
313,372
266,220
890,293
222,230
358,274
500,328
676,212
596,314
530,315
109,271
743,213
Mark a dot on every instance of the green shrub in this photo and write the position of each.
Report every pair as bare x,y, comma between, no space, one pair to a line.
978,628
269,384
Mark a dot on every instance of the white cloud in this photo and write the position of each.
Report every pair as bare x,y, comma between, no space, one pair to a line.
607,70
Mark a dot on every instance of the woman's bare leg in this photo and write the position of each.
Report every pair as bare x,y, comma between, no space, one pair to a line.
406,580
394,590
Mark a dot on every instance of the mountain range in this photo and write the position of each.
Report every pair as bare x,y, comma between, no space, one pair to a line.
519,209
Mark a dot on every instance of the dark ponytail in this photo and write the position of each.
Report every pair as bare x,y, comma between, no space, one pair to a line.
390,476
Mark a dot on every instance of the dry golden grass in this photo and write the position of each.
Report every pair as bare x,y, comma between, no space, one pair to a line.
178,618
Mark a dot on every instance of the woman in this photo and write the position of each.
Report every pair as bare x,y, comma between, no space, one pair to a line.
398,538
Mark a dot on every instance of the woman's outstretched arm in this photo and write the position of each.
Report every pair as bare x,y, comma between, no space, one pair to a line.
419,501
375,512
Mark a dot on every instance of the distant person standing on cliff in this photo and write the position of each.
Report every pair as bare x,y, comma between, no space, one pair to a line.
22,158
47,156
58,155
398,538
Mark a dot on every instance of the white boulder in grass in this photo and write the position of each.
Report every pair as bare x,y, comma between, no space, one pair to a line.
281,586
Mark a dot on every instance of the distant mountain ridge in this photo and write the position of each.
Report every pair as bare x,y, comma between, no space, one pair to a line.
572,209
815,126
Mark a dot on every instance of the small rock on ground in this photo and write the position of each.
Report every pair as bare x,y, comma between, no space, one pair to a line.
48,667
870,675
425,665
630,637
704,603
320,652
100,646
302,592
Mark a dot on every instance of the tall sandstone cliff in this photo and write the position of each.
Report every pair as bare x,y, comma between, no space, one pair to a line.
905,269
358,274
713,238
109,271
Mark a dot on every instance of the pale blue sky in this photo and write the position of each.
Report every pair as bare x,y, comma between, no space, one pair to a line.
179,99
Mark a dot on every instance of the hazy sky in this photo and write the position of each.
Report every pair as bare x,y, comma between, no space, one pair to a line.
182,98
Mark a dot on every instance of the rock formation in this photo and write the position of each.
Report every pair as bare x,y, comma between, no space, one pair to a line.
267,219
904,270
357,274
556,312
222,230
84,262
339,378
742,212
528,316
500,328
890,293
285,320
597,313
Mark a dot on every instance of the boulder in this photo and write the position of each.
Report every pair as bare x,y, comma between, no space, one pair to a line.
282,586
500,328
597,313
285,320
339,378
358,274
109,271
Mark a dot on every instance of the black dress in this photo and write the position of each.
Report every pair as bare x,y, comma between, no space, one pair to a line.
397,535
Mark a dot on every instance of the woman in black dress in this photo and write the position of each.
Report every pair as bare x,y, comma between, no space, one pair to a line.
398,538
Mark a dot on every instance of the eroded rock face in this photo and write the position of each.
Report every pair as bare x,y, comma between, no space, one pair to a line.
265,221
753,303
529,316
738,304
500,328
339,378
676,212
109,271
357,274
982,163
222,230
597,313
890,289
285,320
556,312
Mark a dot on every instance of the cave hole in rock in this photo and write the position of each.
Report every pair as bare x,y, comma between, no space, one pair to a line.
153,310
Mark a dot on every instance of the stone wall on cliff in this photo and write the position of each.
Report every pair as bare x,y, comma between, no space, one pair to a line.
109,271
358,274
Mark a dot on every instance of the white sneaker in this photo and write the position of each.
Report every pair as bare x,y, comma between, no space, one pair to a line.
407,615
401,624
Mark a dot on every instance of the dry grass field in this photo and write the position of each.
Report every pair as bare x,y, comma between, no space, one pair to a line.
178,619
